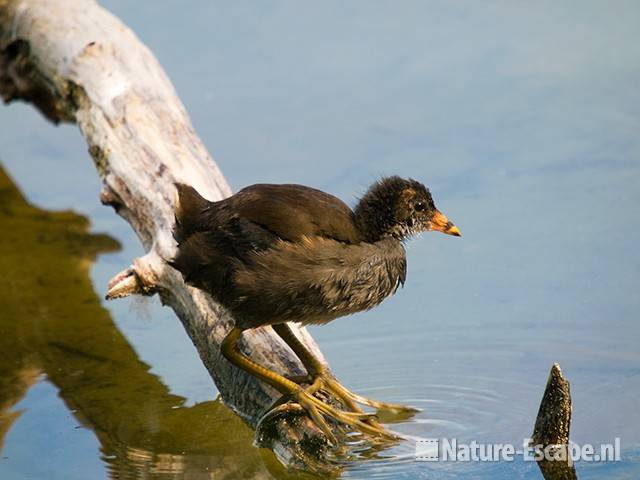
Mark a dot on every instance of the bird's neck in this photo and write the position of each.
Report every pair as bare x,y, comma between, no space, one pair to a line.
374,220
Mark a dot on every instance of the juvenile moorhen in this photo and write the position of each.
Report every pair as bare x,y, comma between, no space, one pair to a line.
273,254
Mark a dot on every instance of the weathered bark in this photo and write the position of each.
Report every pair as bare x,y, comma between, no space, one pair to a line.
553,423
77,63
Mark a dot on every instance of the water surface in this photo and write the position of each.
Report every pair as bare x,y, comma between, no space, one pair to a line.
522,119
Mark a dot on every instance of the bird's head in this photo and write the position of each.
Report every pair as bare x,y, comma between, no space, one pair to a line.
396,207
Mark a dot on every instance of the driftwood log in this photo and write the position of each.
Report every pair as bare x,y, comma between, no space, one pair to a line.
78,63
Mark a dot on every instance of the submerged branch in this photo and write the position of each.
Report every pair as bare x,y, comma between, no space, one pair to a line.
552,427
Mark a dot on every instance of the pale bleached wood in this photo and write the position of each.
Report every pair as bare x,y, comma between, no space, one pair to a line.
76,62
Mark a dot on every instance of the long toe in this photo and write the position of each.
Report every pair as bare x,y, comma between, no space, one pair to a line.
385,412
356,421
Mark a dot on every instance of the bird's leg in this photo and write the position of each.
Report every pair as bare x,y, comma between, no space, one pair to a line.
315,407
322,379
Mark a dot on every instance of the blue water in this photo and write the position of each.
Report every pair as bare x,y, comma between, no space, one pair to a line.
522,118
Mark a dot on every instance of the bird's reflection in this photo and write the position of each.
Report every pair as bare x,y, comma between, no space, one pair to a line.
52,323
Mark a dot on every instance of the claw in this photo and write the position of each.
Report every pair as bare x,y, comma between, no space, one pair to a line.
364,416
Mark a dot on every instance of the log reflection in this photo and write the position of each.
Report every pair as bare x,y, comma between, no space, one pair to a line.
52,323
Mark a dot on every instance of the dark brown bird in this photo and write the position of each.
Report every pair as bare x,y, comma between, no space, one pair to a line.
273,254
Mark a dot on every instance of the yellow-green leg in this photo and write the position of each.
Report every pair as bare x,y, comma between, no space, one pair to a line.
321,379
315,407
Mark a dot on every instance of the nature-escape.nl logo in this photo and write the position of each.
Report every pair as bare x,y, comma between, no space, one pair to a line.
449,449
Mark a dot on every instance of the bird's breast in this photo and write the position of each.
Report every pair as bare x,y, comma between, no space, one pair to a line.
317,280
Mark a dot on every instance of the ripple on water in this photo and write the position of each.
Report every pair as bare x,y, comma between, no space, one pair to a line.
465,408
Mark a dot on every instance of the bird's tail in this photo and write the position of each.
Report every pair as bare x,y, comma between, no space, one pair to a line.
199,264
187,231
189,209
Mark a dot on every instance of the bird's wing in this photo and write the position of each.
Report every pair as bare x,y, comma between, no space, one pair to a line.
294,211
214,236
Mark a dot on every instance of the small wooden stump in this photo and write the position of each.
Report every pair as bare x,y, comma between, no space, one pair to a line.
551,430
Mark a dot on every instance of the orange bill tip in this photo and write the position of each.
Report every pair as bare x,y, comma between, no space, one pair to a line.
441,223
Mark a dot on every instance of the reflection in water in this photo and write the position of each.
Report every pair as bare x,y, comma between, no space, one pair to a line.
52,323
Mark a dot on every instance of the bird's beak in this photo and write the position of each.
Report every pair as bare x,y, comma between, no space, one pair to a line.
442,224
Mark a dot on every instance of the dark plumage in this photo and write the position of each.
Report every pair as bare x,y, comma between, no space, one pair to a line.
280,253
273,254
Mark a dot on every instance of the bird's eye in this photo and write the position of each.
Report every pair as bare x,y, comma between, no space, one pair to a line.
419,207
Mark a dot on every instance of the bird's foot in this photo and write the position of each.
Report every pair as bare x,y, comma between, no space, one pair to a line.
343,422
389,412
358,420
